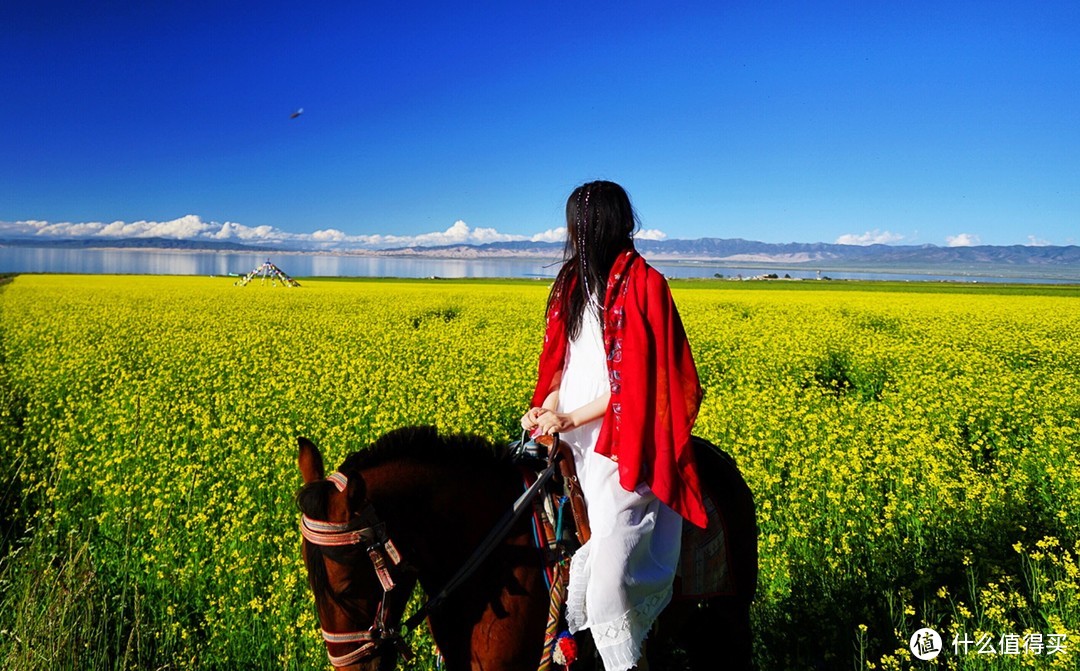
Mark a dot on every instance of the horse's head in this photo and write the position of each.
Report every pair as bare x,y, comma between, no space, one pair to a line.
353,567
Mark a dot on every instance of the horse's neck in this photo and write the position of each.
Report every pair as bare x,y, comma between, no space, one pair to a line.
442,514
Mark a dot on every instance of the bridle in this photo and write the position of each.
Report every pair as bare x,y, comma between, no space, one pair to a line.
370,532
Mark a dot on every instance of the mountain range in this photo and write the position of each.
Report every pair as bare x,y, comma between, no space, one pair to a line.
1051,262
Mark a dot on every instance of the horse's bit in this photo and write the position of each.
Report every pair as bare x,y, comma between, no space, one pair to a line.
369,531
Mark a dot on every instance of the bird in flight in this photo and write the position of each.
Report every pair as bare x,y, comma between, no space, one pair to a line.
296,113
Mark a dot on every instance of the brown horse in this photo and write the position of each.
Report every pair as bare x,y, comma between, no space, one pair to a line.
414,507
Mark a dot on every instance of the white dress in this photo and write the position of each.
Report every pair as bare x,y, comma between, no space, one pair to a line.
621,579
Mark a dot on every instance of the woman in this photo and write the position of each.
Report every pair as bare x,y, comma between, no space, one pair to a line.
617,381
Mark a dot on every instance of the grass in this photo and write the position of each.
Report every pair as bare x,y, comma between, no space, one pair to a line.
912,449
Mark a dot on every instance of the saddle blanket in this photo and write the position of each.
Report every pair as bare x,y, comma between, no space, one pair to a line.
704,567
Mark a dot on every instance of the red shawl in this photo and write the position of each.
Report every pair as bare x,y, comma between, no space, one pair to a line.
655,391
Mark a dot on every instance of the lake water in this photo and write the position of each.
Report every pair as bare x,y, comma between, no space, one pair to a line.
163,262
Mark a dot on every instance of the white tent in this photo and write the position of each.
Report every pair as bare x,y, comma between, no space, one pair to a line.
267,271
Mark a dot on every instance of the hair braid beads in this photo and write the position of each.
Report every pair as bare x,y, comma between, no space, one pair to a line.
582,231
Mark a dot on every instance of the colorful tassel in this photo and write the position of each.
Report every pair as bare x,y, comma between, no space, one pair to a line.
565,652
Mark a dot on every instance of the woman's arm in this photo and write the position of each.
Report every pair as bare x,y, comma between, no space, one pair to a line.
550,421
552,401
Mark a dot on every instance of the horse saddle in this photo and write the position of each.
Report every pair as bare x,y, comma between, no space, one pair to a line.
705,562
559,534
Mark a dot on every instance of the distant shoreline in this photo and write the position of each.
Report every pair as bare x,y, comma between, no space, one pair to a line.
546,255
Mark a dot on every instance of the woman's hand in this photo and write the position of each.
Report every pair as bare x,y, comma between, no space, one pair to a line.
541,421
528,420
549,422
546,421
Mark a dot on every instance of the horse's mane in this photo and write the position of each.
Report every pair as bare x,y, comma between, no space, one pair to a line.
417,443
426,444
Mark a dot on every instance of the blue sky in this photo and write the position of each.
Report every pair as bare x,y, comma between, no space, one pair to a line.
909,123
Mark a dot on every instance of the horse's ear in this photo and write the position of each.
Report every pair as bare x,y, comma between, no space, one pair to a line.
356,491
311,463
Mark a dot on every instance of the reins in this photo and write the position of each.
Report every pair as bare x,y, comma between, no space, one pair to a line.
494,537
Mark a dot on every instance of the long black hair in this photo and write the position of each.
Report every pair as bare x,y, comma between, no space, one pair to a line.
600,223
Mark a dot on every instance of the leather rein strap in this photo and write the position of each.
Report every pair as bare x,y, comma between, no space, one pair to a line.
494,537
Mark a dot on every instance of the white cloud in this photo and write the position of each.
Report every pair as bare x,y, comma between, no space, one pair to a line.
328,235
1037,242
874,237
192,227
262,233
22,227
650,234
484,235
458,234
559,235
188,227
233,231
550,235
962,240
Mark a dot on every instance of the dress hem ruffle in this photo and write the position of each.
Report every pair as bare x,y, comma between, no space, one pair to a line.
619,641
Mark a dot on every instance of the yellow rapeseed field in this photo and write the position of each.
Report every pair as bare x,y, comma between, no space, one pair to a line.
913,455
